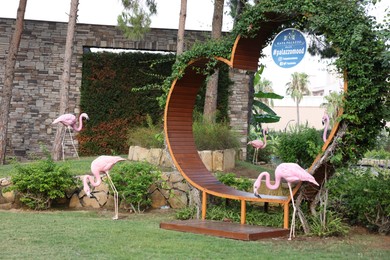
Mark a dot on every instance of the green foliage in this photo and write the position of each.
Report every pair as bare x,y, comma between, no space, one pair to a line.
254,215
185,213
231,180
357,42
363,197
333,226
300,146
105,138
40,183
214,136
147,137
133,180
135,22
378,154
108,96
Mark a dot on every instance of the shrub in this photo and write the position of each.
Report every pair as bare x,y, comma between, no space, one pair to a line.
300,146
231,180
333,225
363,197
40,183
214,136
133,180
147,137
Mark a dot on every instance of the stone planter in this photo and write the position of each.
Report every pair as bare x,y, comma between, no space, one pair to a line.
219,160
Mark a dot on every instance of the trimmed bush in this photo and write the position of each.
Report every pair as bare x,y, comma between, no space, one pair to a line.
133,180
40,183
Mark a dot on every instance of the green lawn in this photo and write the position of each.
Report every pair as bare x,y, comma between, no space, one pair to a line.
94,235
77,166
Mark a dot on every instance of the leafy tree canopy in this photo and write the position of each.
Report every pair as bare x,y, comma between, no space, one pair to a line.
358,43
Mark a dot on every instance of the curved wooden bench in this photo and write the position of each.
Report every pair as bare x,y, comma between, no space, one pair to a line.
178,124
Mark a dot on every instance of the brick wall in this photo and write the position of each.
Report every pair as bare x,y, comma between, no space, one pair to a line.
35,101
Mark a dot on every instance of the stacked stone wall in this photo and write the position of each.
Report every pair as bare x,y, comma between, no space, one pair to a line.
35,96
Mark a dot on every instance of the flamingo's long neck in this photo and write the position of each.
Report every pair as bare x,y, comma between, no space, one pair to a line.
325,129
91,180
268,181
78,129
265,139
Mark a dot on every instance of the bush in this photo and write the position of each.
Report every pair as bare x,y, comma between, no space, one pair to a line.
133,180
300,146
363,197
231,180
214,136
147,137
40,183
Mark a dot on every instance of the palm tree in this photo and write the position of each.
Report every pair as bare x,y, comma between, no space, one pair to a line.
333,104
297,88
6,95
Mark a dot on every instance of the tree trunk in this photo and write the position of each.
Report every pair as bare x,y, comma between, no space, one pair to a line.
297,114
182,26
65,79
210,104
9,78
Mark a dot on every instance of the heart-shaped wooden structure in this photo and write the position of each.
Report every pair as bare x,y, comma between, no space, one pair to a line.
178,125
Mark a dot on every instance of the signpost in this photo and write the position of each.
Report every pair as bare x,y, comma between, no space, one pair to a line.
288,48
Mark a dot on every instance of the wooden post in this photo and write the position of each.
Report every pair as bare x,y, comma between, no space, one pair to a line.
243,211
204,205
286,216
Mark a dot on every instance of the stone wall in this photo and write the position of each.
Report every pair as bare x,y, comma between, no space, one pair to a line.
38,70
173,192
219,160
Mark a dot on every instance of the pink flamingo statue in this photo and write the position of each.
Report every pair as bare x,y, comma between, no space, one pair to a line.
103,164
325,121
259,144
70,120
291,172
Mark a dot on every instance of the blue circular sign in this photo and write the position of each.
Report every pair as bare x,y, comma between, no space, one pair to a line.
288,48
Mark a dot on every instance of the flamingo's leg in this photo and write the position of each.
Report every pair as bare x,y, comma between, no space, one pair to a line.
115,196
62,144
292,227
74,147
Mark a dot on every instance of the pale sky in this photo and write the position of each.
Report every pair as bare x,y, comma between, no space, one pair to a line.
199,12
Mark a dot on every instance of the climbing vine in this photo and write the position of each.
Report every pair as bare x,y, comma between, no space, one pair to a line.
342,30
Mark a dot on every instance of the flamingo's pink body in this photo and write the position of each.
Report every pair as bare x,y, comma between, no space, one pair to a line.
291,172
325,121
259,144
102,164
70,120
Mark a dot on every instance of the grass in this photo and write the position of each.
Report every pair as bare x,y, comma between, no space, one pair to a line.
94,235
78,166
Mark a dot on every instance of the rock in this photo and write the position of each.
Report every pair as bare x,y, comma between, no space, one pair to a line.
207,159
90,202
178,200
158,199
74,202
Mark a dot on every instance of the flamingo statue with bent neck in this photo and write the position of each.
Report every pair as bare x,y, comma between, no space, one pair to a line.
70,120
258,144
291,172
103,164
325,121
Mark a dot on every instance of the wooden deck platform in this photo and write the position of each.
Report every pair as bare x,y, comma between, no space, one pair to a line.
225,229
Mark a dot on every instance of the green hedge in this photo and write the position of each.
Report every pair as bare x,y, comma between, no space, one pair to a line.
108,97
